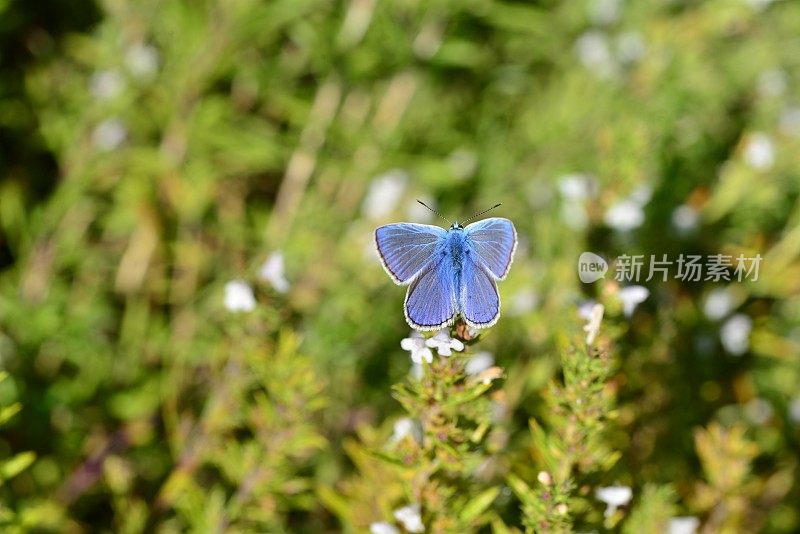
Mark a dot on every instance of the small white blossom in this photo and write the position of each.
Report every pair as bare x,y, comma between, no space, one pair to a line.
683,525
614,497
444,344
773,82
479,363
630,47
759,411
416,372
685,218
463,163
628,214
576,186
593,50
415,344
106,84
524,301
109,134
759,5
272,272
544,478
759,152
405,426
384,194
574,215
642,194
383,528
719,303
789,121
239,296
142,60
625,215
632,296
410,517
735,334
604,11
592,326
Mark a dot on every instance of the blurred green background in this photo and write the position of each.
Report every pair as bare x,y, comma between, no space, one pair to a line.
152,152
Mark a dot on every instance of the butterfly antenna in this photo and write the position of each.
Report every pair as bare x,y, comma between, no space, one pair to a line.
481,213
434,211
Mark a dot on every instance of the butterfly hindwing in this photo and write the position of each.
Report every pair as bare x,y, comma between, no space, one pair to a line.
431,301
478,297
493,241
407,249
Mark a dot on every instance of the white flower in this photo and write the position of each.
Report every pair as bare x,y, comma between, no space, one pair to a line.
585,309
576,186
772,82
106,84
410,517
630,47
384,194
417,372
405,426
272,272
735,334
109,134
444,344
524,301
759,152
574,215
758,411
683,525
142,60
614,497
604,11
719,303
624,215
415,344
239,296
794,409
758,5
544,478
592,326
685,218
593,50
642,194
479,363
383,528
463,163
632,296
789,121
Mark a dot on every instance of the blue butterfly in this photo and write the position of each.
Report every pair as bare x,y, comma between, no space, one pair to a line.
449,272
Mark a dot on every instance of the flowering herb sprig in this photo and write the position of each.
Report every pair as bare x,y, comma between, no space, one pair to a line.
445,455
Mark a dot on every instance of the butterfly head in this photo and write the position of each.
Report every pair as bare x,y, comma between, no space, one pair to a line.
456,226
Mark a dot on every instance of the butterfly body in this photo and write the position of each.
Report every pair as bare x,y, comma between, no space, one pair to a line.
449,272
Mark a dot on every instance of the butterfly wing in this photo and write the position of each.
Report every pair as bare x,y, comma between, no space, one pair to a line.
493,241
407,249
478,297
431,299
